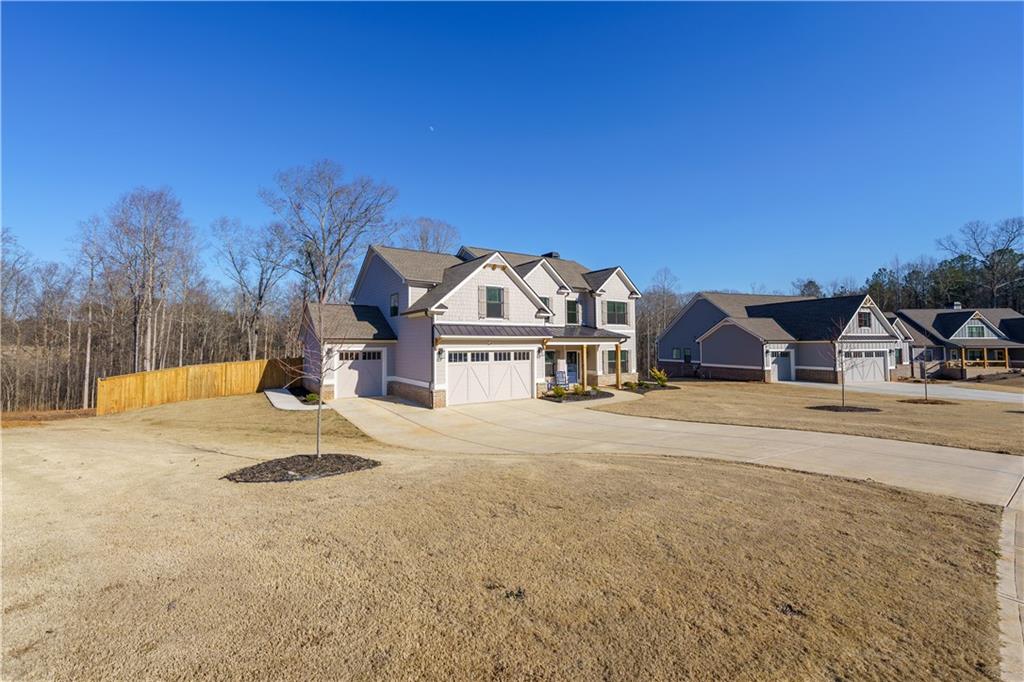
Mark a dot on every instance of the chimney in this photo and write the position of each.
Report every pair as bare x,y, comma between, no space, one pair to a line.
550,254
957,305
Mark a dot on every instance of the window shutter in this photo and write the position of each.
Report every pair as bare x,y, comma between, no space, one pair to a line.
481,301
504,304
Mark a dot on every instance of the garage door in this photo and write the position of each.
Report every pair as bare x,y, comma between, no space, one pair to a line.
359,373
782,368
865,365
486,376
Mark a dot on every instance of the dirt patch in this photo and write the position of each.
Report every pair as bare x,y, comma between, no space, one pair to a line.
843,408
928,401
647,389
300,468
10,420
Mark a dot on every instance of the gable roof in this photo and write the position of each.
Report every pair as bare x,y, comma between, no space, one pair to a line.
735,305
350,322
457,274
569,270
526,268
450,279
937,325
764,328
417,266
814,319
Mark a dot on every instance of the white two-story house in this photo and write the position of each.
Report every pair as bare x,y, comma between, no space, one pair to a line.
481,325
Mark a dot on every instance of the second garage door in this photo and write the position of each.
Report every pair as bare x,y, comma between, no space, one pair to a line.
486,376
863,366
359,373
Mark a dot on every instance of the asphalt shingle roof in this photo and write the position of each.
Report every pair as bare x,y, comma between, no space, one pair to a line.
569,270
350,322
813,319
450,279
418,266
735,305
934,325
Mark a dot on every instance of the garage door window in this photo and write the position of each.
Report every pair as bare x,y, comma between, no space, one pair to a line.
522,355
458,357
371,355
347,355
503,357
478,357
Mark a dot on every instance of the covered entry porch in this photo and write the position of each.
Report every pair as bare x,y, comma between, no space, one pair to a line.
588,363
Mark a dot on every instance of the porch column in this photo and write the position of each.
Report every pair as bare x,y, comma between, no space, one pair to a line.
984,357
618,366
1006,358
583,367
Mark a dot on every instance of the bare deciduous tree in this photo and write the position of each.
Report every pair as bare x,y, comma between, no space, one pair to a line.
427,234
995,251
255,261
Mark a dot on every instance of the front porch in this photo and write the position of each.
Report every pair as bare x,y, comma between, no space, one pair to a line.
967,361
570,363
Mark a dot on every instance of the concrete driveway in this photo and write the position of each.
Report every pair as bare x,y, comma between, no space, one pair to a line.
945,391
540,426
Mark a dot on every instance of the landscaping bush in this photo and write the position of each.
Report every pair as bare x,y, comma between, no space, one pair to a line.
643,386
558,392
628,385
312,398
579,390
660,376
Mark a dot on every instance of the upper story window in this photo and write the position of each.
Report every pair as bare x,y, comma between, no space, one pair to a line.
495,302
546,301
393,305
687,355
976,330
492,302
677,353
864,319
616,313
572,312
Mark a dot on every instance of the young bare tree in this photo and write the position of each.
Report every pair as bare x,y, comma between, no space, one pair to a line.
326,221
995,251
255,261
427,234
90,249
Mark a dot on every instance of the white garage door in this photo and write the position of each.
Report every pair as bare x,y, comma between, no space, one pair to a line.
359,373
485,376
864,366
782,367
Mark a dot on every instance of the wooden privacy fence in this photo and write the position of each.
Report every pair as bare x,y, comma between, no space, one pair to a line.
192,382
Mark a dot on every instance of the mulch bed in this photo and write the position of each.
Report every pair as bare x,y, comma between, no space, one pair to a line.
927,401
652,387
843,408
300,468
573,398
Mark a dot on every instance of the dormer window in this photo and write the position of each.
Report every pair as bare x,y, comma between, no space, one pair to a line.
976,330
393,307
864,319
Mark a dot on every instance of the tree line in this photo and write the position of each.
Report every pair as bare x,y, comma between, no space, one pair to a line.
137,294
983,267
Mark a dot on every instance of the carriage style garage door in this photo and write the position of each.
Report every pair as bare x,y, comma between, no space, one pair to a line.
485,376
782,367
865,365
359,373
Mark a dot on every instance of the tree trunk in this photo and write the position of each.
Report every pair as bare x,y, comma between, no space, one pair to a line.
87,379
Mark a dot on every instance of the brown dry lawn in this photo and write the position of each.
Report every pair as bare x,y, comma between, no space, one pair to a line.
125,556
21,418
976,425
1007,383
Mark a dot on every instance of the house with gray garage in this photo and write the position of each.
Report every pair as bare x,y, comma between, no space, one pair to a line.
752,337
960,343
480,325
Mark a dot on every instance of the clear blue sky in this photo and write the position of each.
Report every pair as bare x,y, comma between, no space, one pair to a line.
737,144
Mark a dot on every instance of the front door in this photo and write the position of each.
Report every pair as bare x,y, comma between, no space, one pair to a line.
572,366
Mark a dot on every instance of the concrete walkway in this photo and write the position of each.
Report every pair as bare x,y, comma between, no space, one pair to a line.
944,391
283,399
539,426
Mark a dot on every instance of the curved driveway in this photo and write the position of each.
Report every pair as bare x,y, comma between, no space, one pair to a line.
540,426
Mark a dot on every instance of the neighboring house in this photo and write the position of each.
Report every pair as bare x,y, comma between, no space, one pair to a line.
478,326
781,338
904,351
961,343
